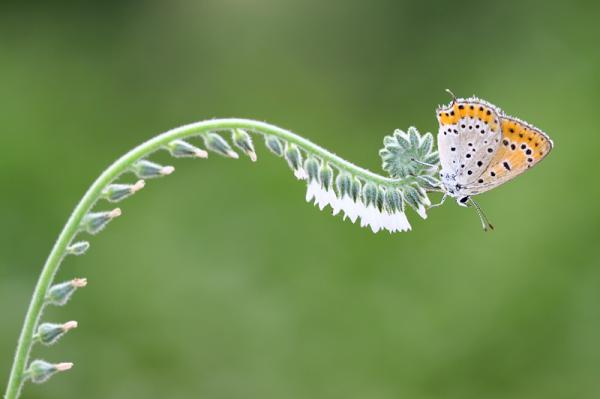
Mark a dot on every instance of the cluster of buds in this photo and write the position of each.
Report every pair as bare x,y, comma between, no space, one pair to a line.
240,138
40,371
59,294
94,222
377,206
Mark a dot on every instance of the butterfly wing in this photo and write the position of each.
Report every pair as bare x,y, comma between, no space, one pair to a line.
468,137
522,146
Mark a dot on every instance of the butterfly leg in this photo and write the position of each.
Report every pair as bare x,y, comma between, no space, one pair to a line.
439,203
485,223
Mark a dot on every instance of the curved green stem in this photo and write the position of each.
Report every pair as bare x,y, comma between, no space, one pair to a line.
70,230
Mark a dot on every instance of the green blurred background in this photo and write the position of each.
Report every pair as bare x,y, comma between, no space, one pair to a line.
220,281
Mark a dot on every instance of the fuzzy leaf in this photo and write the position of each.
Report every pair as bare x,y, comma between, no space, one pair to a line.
404,154
426,144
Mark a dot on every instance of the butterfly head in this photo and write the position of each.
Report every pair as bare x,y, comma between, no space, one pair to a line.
463,201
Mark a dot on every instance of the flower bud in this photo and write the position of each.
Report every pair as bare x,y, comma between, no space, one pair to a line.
380,198
78,248
343,184
424,199
370,194
326,176
274,145
294,160
411,196
49,333
355,189
244,142
118,192
40,371
311,166
216,143
60,294
147,170
183,149
393,200
94,222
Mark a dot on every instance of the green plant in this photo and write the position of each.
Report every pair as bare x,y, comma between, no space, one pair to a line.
379,202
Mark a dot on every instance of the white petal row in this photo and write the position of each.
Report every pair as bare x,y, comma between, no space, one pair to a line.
369,215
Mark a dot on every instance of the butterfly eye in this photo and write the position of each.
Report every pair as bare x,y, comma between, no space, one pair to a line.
463,200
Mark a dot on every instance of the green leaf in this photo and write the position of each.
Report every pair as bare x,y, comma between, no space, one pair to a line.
409,154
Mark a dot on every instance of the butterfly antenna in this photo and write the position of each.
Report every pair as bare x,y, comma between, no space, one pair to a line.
452,95
484,220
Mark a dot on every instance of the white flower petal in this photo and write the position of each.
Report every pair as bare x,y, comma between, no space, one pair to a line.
351,208
300,174
374,218
426,200
336,207
311,190
385,221
421,211
364,215
391,222
333,201
321,198
404,221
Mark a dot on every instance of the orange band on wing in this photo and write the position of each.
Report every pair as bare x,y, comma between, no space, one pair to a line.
461,108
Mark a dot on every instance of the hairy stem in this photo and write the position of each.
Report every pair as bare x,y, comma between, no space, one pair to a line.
71,229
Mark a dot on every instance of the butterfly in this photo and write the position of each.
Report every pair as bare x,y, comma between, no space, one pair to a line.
480,148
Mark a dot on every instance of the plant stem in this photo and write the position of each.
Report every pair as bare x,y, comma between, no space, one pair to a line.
71,229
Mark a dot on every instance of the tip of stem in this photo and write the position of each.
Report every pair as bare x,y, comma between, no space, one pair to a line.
115,213
69,325
167,170
79,282
63,366
252,156
232,154
138,186
200,153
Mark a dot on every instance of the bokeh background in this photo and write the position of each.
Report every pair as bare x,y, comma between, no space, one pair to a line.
220,281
